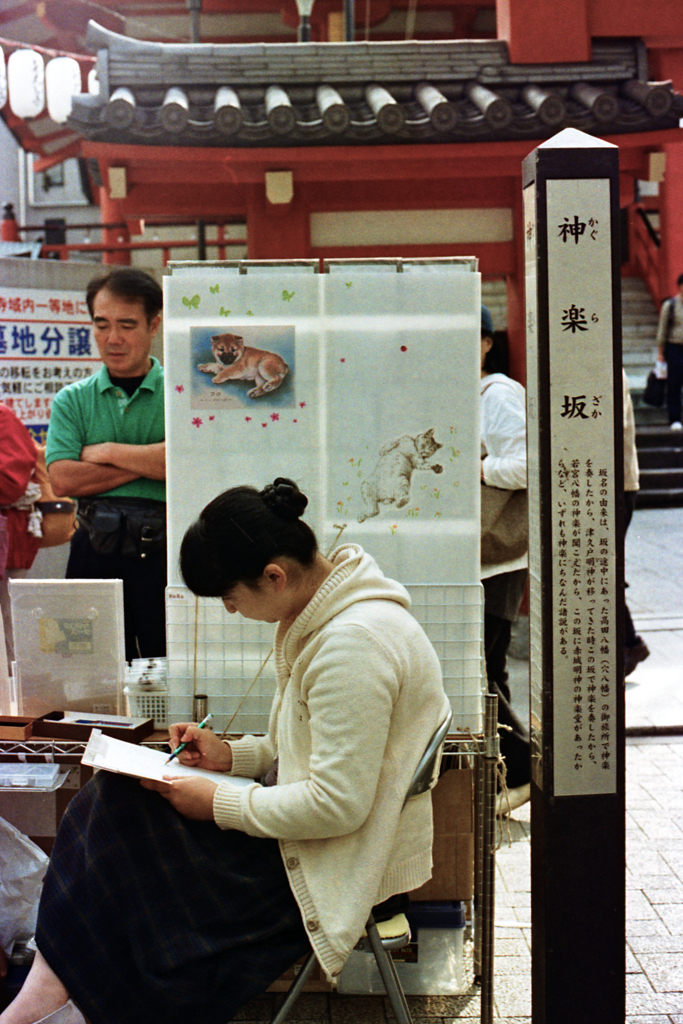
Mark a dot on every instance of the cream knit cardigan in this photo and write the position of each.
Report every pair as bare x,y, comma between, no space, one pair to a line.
358,696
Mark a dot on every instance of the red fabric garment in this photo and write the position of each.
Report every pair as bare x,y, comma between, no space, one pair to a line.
22,545
17,463
17,457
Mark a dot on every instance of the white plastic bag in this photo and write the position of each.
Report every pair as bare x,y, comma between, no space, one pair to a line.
661,369
22,869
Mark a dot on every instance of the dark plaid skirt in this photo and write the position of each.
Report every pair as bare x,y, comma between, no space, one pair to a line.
148,918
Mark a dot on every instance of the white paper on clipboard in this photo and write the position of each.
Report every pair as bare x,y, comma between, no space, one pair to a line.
113,755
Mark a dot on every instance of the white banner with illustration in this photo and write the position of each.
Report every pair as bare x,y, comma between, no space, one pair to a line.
362,384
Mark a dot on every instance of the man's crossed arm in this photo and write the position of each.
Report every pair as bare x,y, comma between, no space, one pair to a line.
102,467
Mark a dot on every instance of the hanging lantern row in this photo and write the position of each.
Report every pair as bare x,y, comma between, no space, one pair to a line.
29,85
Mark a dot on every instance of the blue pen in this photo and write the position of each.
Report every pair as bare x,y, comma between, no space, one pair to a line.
182,746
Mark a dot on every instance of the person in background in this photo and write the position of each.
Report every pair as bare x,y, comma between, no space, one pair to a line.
503,465
106,447
19,534
178,901
670,351
636,648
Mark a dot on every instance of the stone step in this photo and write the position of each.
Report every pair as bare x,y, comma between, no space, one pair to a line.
661,499
642,334
661,479
660,458
658,436
494,297
648,416
637,358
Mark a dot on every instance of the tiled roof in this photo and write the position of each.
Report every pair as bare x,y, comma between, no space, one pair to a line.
308,94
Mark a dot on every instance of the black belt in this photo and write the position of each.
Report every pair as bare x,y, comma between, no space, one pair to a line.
55,506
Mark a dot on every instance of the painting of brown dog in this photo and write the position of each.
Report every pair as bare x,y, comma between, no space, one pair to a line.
236,361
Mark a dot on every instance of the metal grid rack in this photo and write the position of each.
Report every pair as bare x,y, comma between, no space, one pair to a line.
478,751
227,656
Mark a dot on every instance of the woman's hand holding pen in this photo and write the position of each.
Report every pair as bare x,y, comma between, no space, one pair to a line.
193,798
204,749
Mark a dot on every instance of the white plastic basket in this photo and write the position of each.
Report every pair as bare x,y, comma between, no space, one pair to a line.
148,702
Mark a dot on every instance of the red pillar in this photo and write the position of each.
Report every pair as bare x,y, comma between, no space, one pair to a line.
10,228
110,213
544,31
515,295
277,231
671,218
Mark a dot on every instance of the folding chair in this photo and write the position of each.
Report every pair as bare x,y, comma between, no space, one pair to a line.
381,937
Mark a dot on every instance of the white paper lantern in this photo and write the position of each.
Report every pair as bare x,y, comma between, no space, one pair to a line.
62,83
3,80
93,82
26,83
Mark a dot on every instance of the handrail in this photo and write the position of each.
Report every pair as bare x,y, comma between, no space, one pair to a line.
646,252
645,217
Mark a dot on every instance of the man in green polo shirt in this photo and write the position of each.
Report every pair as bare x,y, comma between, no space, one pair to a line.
105,447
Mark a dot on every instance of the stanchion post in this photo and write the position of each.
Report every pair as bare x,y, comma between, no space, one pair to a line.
490,758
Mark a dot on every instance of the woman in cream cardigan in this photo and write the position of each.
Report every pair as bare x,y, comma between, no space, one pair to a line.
183,899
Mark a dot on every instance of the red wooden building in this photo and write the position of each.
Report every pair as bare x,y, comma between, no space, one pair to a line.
407,143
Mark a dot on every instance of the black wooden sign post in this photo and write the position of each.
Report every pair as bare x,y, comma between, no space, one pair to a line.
575,431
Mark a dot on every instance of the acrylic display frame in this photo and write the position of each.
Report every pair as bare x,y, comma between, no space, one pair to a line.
69,645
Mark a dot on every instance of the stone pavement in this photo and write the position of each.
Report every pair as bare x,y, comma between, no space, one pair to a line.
654,850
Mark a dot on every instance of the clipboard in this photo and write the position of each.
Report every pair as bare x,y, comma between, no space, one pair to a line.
113,755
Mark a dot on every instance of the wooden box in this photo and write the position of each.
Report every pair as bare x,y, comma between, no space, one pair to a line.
15,728
76,725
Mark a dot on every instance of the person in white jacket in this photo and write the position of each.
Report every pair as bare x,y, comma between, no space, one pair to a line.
185,907
503,465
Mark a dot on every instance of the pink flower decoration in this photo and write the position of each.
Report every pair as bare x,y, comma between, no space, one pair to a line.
211,418
179,388
247,419
275,416
342,360
302,405
264,424
196,422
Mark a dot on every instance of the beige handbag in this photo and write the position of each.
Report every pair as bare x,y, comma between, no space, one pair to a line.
504,525
58,514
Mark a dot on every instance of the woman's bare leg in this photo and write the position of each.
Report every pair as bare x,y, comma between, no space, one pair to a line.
41,994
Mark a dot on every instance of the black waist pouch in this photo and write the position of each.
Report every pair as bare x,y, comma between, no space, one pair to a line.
134,527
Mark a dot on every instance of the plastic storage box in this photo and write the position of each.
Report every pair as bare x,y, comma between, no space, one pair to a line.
29,776
431,965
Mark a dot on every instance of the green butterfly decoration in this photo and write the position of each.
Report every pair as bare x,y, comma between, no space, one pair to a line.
287,296
192,303
224,312
214,289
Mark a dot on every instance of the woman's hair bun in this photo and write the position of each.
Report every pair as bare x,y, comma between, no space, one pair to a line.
284,497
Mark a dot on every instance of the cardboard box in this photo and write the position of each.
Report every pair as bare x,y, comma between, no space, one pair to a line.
15,728
38,814
453,850
76,725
